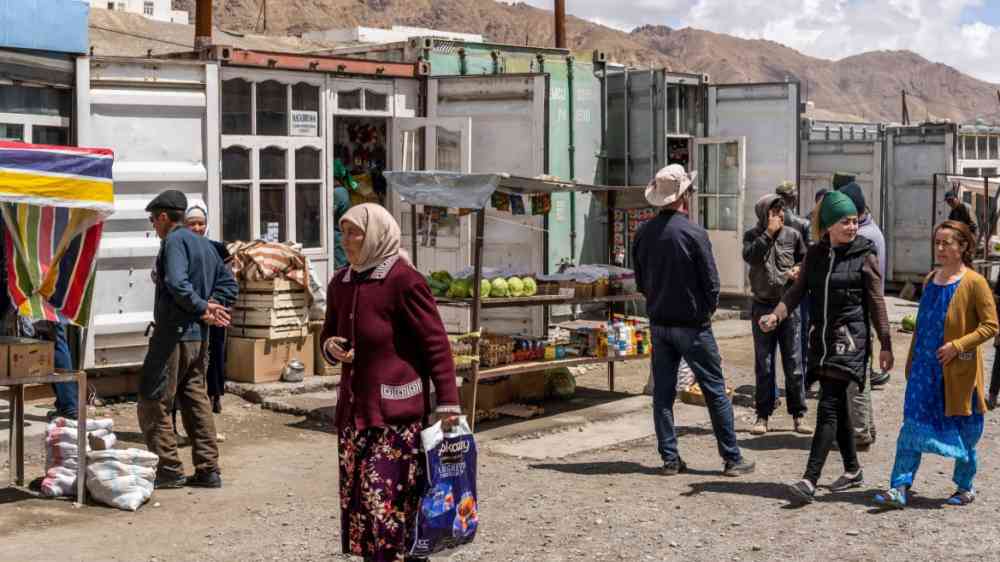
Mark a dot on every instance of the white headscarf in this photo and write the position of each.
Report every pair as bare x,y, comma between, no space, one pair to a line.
197,208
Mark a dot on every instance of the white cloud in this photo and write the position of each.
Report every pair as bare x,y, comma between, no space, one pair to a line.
830,29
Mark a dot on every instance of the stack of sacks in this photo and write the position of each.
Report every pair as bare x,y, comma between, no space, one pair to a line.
61,460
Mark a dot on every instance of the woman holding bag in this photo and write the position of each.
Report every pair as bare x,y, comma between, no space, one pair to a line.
945,390
383,325
840,274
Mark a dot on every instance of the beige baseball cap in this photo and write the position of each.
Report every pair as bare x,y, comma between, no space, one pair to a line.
669,185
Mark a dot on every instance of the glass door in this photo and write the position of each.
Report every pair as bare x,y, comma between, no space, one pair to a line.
718,206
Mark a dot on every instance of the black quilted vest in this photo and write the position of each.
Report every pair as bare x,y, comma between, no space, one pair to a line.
838,316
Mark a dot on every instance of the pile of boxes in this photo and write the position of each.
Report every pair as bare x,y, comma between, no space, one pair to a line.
270,328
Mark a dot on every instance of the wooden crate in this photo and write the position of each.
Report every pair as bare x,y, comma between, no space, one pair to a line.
269,332
261,360
295,317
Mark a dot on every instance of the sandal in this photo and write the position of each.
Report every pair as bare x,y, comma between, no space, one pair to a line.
893,498
962,497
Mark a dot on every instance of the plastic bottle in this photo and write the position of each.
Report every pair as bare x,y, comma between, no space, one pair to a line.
612,345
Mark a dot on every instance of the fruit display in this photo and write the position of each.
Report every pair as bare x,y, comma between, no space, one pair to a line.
443,284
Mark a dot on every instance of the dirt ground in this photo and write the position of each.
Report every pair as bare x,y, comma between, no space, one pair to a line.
279,500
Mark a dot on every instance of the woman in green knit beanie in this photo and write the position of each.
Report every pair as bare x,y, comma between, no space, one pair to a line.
841,276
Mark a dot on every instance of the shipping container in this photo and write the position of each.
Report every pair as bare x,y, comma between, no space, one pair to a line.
161,119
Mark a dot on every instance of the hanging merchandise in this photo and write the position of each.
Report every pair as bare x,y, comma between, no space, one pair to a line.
341,174
500,201
516,205
541,204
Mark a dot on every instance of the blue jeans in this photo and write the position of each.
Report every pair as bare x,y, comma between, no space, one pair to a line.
697,346
66,392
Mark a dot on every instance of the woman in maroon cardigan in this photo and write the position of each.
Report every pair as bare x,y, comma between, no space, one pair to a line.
383,325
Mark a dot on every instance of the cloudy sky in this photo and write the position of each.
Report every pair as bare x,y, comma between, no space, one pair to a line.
962,33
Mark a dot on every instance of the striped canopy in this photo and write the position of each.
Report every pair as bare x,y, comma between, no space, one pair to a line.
54,201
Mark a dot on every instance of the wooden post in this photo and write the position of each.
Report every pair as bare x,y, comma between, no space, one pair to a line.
477,302
202,24
413,234
560,24
17,447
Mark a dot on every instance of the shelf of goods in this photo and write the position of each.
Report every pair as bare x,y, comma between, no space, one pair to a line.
540,300
475,192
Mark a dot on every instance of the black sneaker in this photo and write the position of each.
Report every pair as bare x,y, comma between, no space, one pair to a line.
169,482
879,379
848,481
803,490
205,480
674,468
741,468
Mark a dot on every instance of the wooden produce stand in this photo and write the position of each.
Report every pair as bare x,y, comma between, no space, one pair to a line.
432,193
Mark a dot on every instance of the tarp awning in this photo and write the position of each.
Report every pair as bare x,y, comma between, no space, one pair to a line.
473,191
54,201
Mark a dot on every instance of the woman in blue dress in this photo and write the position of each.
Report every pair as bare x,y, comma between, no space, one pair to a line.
944,404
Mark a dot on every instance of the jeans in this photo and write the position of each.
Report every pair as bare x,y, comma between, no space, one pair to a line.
66,392
833,422
766,344
697,346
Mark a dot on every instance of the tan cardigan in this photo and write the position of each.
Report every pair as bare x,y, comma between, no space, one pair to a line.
970,322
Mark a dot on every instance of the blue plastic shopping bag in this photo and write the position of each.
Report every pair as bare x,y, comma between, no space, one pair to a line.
448,516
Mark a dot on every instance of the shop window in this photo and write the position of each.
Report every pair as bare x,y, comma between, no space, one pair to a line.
236,164
236,107
11,132
413,150
307,214
272,212
981,148
50,135
272,164
681,113
349,99
305,97
989,172
449,150
718,198
35,101
236,212
971,172
307,164
995,148
147,8
272,108
235,194
969,144
376,101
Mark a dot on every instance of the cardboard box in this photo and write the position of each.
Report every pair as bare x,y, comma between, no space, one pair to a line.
261,360
529,387
23,357
492,394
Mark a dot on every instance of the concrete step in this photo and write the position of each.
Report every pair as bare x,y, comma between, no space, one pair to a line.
258,393
314,405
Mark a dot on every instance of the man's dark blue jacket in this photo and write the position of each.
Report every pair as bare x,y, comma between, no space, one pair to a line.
675,270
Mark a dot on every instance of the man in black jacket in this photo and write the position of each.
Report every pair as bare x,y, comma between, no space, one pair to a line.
774,251
960,211
675,270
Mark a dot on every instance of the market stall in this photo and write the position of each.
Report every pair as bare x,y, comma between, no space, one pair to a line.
54,201
619,339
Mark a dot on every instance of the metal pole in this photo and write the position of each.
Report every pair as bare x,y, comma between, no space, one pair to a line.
477,302
413,233
934,215
611,256
560,23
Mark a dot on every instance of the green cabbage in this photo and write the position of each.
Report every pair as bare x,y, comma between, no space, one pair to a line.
530,288
500,288
460,289
560,383
515,287
485,288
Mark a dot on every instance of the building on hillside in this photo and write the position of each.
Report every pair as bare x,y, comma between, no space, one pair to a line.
979,150
159,10
395,34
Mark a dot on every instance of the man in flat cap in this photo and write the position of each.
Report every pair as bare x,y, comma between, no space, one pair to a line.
193,289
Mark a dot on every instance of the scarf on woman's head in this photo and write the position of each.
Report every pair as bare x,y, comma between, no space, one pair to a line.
197,208
381,235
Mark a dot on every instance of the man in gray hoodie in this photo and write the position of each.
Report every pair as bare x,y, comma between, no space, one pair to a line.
774,253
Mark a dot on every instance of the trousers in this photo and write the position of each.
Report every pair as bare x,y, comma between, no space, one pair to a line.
185,371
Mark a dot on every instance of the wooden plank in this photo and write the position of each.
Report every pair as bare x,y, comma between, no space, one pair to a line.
270,286
278,300
268,333
272,317
542,366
